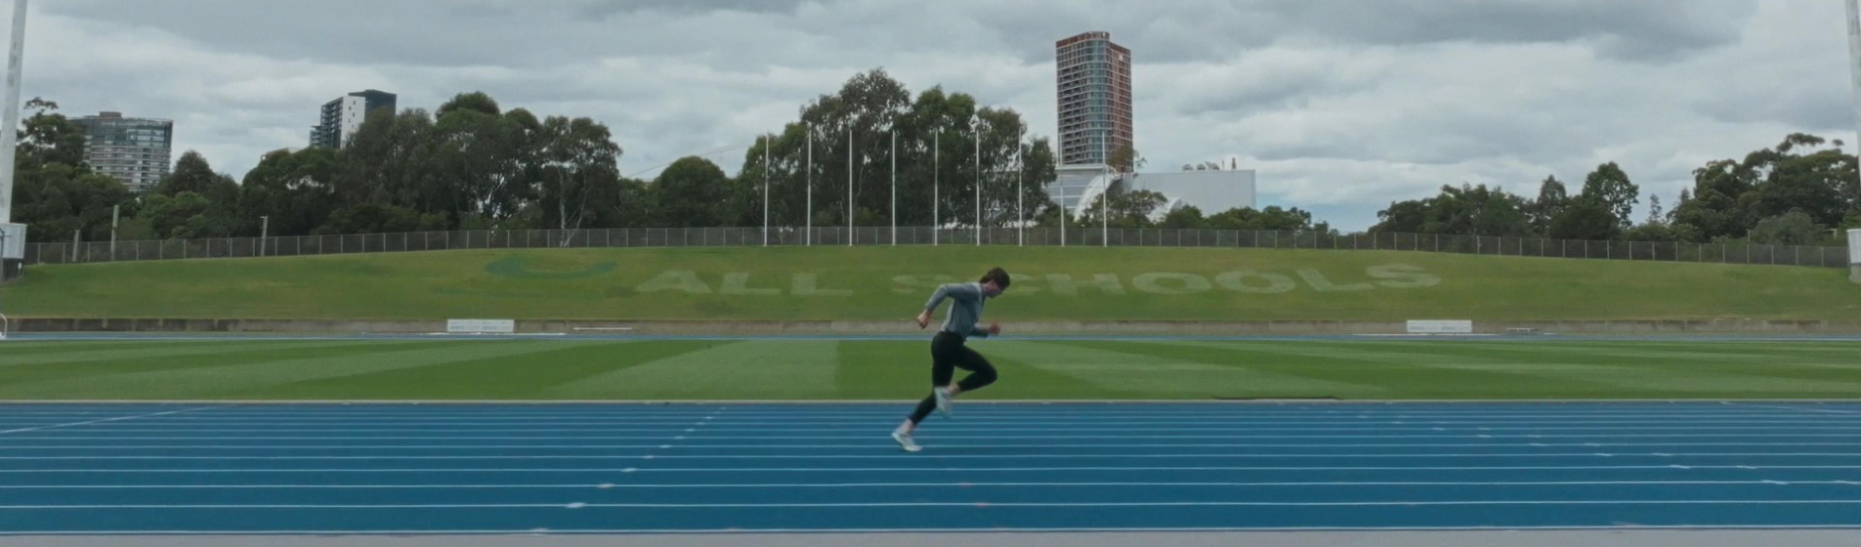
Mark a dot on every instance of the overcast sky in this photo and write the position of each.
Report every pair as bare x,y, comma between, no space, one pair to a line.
1341,105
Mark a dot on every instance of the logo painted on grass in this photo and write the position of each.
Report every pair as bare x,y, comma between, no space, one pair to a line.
1393,276
519,268
735,283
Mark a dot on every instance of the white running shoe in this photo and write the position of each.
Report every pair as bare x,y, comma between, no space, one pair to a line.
905,442
943,402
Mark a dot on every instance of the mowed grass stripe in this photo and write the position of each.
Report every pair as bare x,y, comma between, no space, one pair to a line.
1026,373
893,370
525,376
1408,370
1762,349
728,370
1240,376
866,370
77,352
1152,375
16,348
1367,376
1635,351
233,380
1634,374
1757,358
1629,376
235,355
886,369
1702,369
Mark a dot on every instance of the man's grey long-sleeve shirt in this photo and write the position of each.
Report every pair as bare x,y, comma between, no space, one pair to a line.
965,317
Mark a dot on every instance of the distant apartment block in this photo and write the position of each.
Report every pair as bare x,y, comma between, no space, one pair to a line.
135,151
343,117
1094,77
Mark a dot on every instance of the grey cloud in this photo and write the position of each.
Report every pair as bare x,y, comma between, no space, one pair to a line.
1267,80
1639,28
1812,110
611,8
749,33
1213,29
407,32
521,33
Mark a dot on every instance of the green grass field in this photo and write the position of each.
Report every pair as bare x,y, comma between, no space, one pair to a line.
557,369
879,283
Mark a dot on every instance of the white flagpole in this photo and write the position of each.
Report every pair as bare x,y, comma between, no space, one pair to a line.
1020,198
809,238
768,142
9,138
894,187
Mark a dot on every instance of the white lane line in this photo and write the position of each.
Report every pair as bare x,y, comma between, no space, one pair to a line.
934,469
951,456
1084,412
1801,409
762,531
129,432
106,420
964,485
1121,446
1236,421
116,439
1417,503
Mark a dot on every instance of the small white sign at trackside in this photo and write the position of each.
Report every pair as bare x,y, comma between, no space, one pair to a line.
1440,327
481,326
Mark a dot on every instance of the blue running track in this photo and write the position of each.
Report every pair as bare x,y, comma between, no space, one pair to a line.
457,469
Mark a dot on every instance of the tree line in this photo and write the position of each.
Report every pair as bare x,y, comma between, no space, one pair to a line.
473,165
1803,191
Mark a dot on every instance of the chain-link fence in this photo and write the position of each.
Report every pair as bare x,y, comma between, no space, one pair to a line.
1730,253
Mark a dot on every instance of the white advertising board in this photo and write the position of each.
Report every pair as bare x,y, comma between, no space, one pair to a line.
1440,327
481,326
